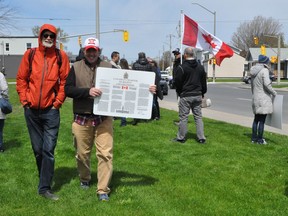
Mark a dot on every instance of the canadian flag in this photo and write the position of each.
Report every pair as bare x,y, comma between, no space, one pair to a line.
195,36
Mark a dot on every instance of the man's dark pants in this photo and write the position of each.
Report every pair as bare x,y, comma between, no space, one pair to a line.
43,127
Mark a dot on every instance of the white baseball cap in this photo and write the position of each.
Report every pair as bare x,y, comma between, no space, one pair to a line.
91,43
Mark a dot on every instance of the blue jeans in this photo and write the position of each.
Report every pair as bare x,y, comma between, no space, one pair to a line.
1,131
258,127
43,126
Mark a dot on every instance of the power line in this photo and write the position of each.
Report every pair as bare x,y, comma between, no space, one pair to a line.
40,18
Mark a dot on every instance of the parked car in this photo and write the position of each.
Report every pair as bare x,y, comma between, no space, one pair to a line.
164,87
247,78
171,84
164,75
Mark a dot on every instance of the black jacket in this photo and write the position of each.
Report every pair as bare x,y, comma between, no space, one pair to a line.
190,79
143,65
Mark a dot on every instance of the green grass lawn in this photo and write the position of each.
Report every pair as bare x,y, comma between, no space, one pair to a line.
152,175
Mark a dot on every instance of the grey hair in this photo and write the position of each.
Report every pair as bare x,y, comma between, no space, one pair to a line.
189,51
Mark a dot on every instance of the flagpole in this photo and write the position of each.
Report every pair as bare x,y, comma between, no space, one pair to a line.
181,39
214,14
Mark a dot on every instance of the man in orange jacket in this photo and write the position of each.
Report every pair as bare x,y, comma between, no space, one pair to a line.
40,85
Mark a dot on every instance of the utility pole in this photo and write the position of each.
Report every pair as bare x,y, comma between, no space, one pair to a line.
279,59
278,56
97,20
163,58
214,14
170,50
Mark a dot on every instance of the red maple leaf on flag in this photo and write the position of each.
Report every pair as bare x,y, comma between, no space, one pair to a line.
209,40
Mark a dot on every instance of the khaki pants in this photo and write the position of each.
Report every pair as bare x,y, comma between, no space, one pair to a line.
102,137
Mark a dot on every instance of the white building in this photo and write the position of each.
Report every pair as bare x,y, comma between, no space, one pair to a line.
12,50
230,67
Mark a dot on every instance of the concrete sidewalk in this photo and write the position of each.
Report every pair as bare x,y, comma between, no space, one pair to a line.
225,117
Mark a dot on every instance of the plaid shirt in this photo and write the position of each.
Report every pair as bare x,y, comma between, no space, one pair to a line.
88,120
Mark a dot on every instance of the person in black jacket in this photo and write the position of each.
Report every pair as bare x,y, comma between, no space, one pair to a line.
176,63
142,64
191,85
156,108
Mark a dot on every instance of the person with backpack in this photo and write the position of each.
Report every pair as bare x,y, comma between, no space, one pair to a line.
40,85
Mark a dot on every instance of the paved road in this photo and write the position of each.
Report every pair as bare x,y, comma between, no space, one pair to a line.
229,116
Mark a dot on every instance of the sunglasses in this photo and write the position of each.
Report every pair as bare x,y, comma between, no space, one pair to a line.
52,36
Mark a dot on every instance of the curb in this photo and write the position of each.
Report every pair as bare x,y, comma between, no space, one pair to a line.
226,117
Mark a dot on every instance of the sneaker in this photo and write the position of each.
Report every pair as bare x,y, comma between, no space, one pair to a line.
202,141
176,123
103,197
178,140
262,142
84,185
2,149
49,195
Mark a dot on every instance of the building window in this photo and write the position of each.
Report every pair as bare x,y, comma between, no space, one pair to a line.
28,46
7,46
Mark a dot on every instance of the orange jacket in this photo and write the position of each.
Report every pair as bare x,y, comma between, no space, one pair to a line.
44,87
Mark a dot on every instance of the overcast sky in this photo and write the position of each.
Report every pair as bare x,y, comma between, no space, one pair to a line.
149,22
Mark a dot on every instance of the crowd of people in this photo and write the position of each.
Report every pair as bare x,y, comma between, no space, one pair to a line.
45,79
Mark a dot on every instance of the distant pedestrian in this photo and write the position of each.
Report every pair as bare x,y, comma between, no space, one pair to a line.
262,97
156,107
176,63
191,85
142,64
3,70
4,94
124,65
115,57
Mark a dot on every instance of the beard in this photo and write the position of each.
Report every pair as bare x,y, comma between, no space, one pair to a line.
47,44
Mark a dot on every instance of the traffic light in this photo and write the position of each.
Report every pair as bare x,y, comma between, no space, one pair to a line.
80,41
263,50
125,36
61,46
274,59
256,40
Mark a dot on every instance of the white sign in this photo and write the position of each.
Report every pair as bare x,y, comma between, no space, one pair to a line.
275,119
125,93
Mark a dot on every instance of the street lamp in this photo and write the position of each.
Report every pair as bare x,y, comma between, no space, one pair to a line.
278,56
214,13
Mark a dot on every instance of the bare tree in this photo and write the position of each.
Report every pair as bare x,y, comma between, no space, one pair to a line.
165,60
7,14
260,26
35,30
60,33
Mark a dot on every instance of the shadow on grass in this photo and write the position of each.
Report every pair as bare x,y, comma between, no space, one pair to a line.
286,189
121,178
14,143
63,175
